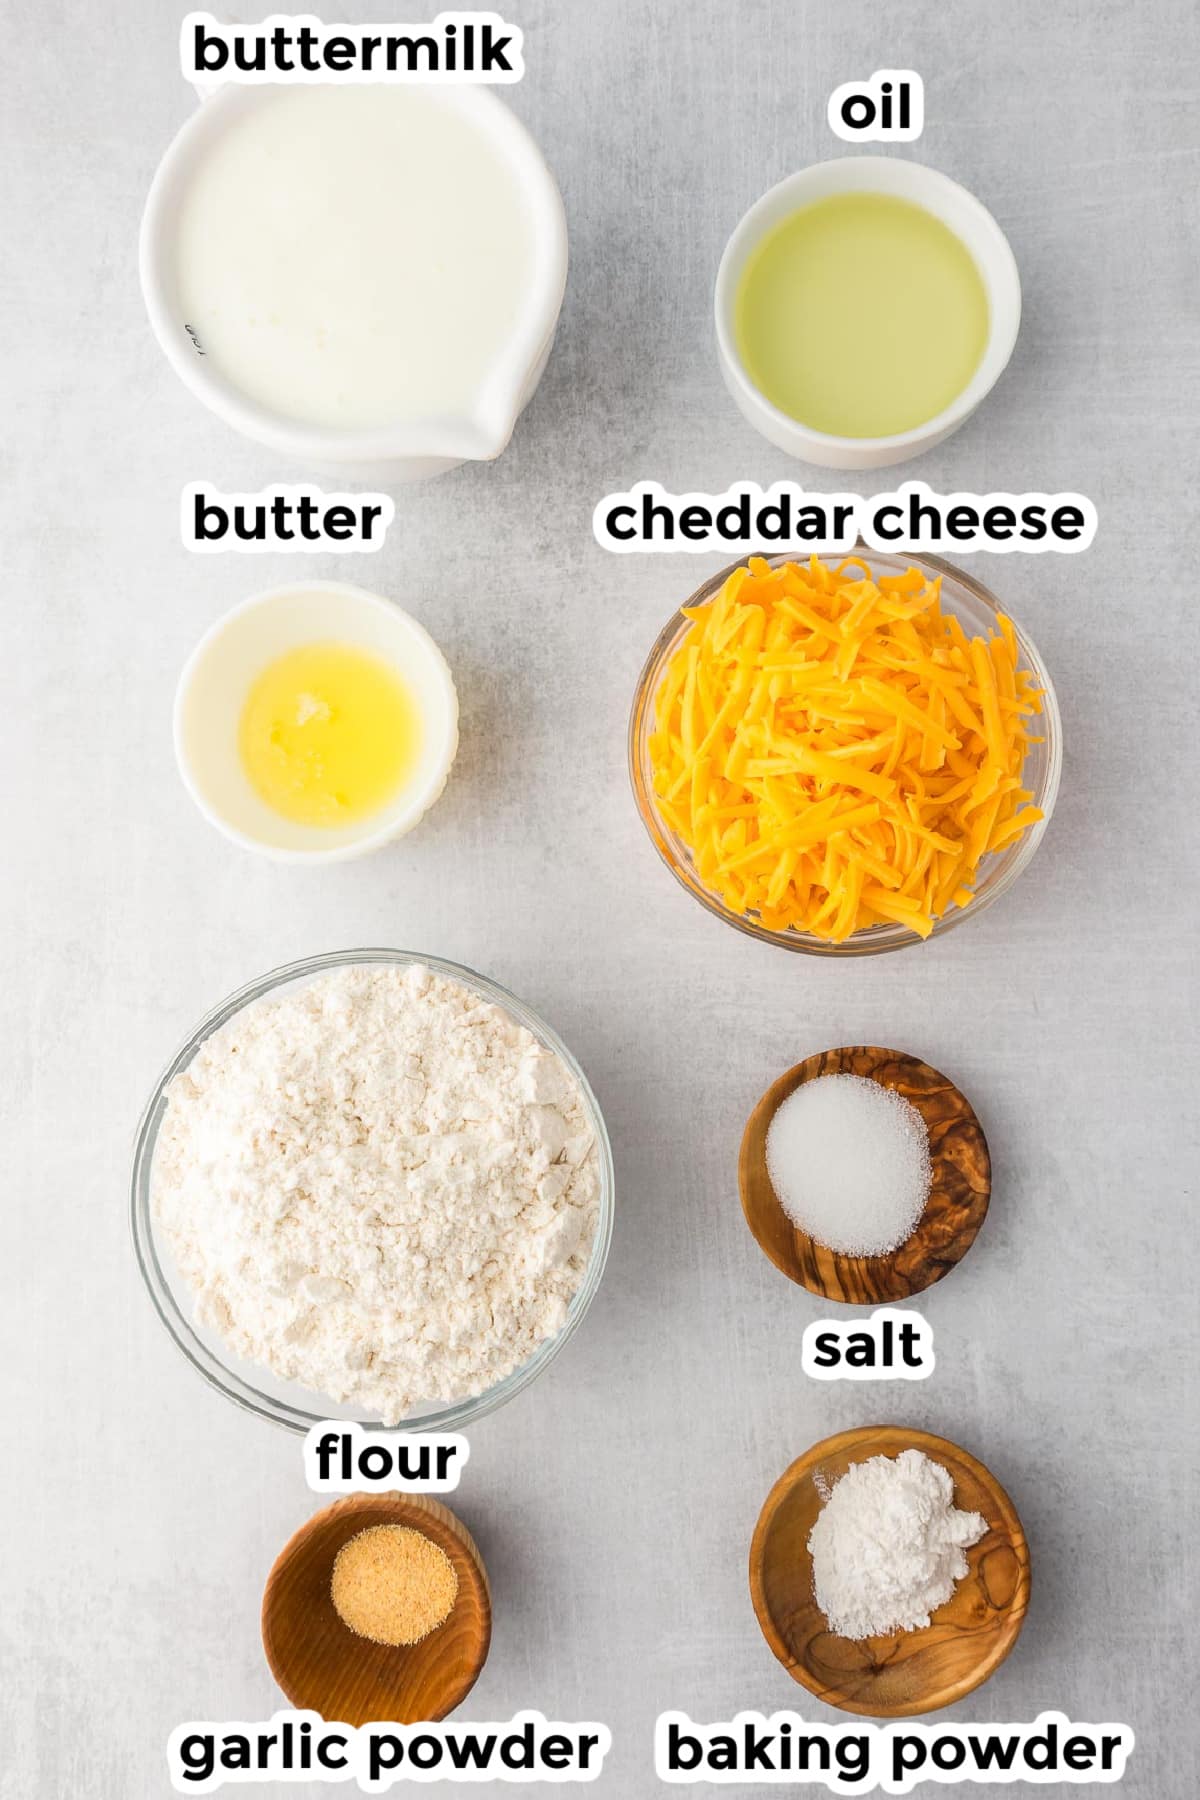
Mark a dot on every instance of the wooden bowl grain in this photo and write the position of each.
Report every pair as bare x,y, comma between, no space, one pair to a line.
958,1196
911,1672
320,1663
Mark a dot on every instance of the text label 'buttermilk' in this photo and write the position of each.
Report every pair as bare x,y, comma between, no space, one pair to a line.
456,46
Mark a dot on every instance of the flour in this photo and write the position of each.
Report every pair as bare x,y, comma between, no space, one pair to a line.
379,1185
888,1546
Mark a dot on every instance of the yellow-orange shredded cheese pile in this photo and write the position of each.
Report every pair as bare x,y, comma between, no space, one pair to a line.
835,752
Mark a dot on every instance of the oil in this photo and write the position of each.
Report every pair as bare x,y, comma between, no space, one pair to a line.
329,734
861,315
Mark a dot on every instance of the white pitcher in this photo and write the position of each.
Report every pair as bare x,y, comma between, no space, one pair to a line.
391,454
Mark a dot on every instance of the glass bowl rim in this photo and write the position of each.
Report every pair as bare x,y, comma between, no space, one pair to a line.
874,939
207,1362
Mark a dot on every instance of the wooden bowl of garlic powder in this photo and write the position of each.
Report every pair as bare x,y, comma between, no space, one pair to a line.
378,1608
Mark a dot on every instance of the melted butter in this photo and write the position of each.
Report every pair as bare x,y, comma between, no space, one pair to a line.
329,734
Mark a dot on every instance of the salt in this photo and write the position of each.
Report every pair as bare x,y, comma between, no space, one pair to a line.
849,1162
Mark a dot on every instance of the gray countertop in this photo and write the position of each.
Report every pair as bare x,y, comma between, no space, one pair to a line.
614,1501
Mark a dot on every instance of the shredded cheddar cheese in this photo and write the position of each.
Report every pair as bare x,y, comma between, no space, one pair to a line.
835,752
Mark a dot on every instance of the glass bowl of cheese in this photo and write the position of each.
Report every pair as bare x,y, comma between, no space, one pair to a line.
844,756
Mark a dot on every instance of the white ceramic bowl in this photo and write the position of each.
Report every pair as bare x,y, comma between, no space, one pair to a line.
955,207
395,454
216,680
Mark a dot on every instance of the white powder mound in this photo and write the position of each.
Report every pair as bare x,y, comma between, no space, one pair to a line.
849,1162
888,1546
379,1186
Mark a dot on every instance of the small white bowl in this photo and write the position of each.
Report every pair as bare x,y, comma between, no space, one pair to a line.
954,206
216,681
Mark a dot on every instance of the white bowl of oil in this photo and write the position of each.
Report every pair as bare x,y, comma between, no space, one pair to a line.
864,308
315,722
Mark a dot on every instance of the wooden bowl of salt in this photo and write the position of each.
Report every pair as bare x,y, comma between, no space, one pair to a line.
908,1672
956,1206
320,1663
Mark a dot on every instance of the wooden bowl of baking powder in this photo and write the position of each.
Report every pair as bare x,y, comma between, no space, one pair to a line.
908,1672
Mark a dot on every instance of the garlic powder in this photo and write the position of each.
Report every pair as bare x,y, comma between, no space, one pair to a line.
379,1185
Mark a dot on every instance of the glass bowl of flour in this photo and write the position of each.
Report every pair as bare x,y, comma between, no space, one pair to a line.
375,1186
